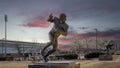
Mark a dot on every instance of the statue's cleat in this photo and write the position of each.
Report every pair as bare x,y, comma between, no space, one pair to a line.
45,59
42,53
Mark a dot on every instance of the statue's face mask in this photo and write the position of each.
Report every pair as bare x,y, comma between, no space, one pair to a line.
63,19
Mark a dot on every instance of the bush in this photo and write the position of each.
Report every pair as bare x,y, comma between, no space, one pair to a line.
7,58
93,55
105,57
68,56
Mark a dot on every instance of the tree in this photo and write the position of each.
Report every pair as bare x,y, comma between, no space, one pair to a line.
77,43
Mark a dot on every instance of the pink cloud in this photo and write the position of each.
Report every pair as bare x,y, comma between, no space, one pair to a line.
64,40
116,36
64,48
37,24
39,20
77,35
70,36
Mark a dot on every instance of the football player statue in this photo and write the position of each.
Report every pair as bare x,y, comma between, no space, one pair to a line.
59,28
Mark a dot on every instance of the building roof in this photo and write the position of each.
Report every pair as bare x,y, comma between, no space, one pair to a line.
20,42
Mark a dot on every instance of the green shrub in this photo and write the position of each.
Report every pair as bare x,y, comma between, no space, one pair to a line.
68,56
7,58
93,55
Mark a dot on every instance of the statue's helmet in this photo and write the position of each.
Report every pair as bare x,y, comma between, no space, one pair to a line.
62,15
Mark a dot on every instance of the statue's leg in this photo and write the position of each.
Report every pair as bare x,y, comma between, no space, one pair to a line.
49,52
43,50
52,42
52,51
51,37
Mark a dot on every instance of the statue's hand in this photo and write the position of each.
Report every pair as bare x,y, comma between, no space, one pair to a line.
50,19
50,16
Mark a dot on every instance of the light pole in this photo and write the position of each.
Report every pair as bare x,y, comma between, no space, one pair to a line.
2,45
96,37
5,17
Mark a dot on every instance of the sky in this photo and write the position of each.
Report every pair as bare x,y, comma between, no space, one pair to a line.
27,19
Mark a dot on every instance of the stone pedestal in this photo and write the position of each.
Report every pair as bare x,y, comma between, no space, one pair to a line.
55,64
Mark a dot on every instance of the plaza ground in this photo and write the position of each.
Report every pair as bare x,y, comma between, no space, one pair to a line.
83,63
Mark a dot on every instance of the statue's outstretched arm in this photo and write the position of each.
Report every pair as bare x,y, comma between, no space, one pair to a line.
50,18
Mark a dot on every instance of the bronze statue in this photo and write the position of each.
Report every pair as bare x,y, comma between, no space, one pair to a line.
107,55
60,28
110,46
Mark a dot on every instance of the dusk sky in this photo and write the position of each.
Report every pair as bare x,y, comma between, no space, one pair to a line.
27,18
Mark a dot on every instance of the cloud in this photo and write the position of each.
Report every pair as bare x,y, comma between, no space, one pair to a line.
37,24
109,33
39,20
83,28
77,35
92,8
113,33
112,9
72,33
65,47
64,40
74,9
